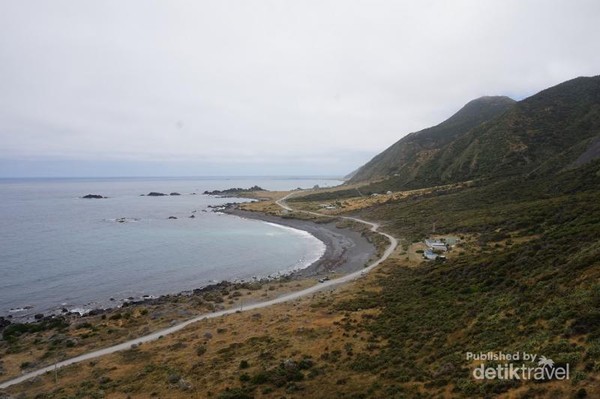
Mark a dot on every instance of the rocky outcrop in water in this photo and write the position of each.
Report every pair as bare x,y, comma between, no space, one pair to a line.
234,191
126,220
93,196
156,194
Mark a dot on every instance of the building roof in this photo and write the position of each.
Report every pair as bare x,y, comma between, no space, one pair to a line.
429,254
432,243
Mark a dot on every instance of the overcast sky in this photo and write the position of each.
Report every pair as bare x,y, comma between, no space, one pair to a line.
125,88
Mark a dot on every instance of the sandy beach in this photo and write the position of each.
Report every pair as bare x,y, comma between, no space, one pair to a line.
346,250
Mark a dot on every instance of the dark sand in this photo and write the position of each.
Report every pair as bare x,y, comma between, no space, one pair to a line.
346,250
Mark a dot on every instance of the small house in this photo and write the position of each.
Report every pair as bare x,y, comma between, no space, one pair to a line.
436,245
430,255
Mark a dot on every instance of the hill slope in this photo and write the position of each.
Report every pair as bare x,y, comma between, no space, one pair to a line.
543,133
404,156
556,129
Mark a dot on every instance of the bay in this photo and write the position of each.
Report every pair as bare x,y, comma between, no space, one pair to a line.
58,250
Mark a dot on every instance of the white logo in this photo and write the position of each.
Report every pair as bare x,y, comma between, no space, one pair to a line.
545,362
544,370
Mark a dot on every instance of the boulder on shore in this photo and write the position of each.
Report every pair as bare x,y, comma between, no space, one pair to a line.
4,323
93,196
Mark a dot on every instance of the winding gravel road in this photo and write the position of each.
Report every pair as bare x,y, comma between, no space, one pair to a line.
284,298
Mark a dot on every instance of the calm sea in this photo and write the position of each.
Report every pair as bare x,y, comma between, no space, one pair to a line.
58,250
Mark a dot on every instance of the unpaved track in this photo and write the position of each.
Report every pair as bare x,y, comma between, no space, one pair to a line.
284,298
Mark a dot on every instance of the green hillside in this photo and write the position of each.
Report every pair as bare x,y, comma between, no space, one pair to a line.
406,155
544,133
529,281
555,129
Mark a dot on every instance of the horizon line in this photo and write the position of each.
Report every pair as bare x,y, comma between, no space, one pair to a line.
326,177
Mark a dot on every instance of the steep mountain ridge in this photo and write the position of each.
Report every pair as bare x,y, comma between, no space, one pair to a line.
405,155
554,130
543,133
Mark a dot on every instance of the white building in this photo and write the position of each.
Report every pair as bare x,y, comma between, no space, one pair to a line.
430,255
436,245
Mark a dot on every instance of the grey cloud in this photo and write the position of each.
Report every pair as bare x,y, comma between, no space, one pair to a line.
309,85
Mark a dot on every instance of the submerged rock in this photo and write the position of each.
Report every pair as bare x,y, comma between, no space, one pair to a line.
125,220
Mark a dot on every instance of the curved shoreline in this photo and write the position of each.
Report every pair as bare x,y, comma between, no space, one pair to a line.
346,250
282,299
306,261
301,268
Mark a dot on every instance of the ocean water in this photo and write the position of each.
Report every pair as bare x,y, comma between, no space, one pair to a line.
58,250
